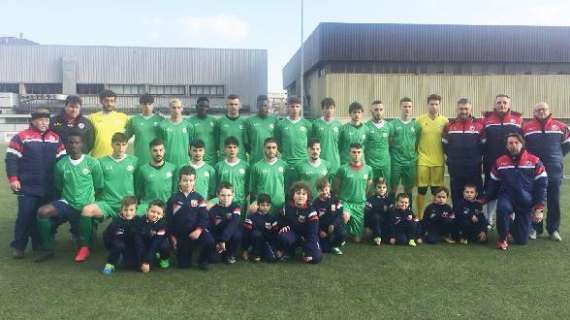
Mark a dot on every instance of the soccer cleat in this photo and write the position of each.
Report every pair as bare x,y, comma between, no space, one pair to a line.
532,234
108,270
82,254
44,255
464,241
231,260
502,245
164,263
256,259
377,241
244,255
448,240
412,243
555,236
18,254
337,251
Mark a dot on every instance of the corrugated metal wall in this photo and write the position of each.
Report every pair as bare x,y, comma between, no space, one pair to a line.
242,71
525,91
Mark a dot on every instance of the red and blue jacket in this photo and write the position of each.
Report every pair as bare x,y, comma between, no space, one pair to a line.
521,178
497,127
30,159
304,222
463,143
550,141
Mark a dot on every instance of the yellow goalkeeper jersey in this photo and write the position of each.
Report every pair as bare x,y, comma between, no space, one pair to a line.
430,149
106,124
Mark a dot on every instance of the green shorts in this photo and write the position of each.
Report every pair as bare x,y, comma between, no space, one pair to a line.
383,171
405,173
355,224
108,210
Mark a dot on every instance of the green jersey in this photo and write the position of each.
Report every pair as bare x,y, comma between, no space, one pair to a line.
328,133
353,182
144,129
176,137
377,143
78,179
205,179
350,134
235,173
310,172
257,129
155,182
204,130
227,127
265,177
403,143
119,179
292,138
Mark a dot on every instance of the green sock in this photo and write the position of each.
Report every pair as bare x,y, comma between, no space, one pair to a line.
85,230
46,235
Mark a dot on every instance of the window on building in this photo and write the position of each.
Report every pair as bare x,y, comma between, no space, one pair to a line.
9,87
212,91
89,88
167,90
43,88
127,89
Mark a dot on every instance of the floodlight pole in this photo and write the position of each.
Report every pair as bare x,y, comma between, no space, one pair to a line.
302,84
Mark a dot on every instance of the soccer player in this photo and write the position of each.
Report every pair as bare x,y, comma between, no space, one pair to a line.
230,125
187,219
430,162
549,139
203,125
463,142
144,127
352,182
175,133
118,182
77,176
106,123
327,130
258,128
353,132
30,160
377,142
260,231
71,119
403,149
205,174
233,170
310,170
268,176
225,226
154,180
292,135
151,240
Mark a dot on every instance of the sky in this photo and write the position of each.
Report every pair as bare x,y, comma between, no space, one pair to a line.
259,24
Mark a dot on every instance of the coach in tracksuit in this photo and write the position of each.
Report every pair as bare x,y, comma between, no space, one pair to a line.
497,125
70,119
463,142
30,160
518,181
549,139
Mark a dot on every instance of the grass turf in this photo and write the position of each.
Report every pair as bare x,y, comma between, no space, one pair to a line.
427,282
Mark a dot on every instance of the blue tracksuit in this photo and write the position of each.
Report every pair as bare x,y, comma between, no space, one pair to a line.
225,227
302,226
119,240
151,238
259,235
402,225
519,184
330,211
376,216
186,214
550,141
471,219
439,220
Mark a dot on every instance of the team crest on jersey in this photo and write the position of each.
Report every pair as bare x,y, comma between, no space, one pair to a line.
385,135
267,225
242,171
363,136
323,172
365,176
211,124
271,126
301,219
169,174
555,127
130,167
280,169
241,127
81,125
193,203
335,129
206,174
184,130
229,215
155,124
85,171
413,129
303,129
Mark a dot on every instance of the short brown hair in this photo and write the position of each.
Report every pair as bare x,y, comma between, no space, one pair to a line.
433,96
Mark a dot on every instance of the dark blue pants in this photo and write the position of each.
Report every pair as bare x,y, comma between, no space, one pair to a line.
375,222
148,247
289,241
335,239
233,247
457,183
121,246
434,230
258,244
404,231
186,246
552,206
519,225
26,226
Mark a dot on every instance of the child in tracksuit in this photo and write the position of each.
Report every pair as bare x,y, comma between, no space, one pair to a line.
225,225
187,219
376,212
402,225
332,233
151,239
119,237
473,224
439,220
298,225
259,232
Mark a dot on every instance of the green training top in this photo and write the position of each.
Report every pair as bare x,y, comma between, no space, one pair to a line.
350,134
292,138
145,129
310,173
265,177
155,182
205,179
119,179
226,127
328,133
257,130
353,182
204,130
176,138
78,179
377,144
403,143
235,173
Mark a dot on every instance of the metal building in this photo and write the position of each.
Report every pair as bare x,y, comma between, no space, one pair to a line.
365,62
41,74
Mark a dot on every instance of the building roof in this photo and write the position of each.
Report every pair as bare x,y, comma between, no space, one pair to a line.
430,43
16,41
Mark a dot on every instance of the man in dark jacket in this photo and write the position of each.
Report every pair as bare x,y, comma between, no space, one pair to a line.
71,119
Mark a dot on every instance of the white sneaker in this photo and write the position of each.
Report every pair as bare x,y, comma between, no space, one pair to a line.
532,234
555,236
